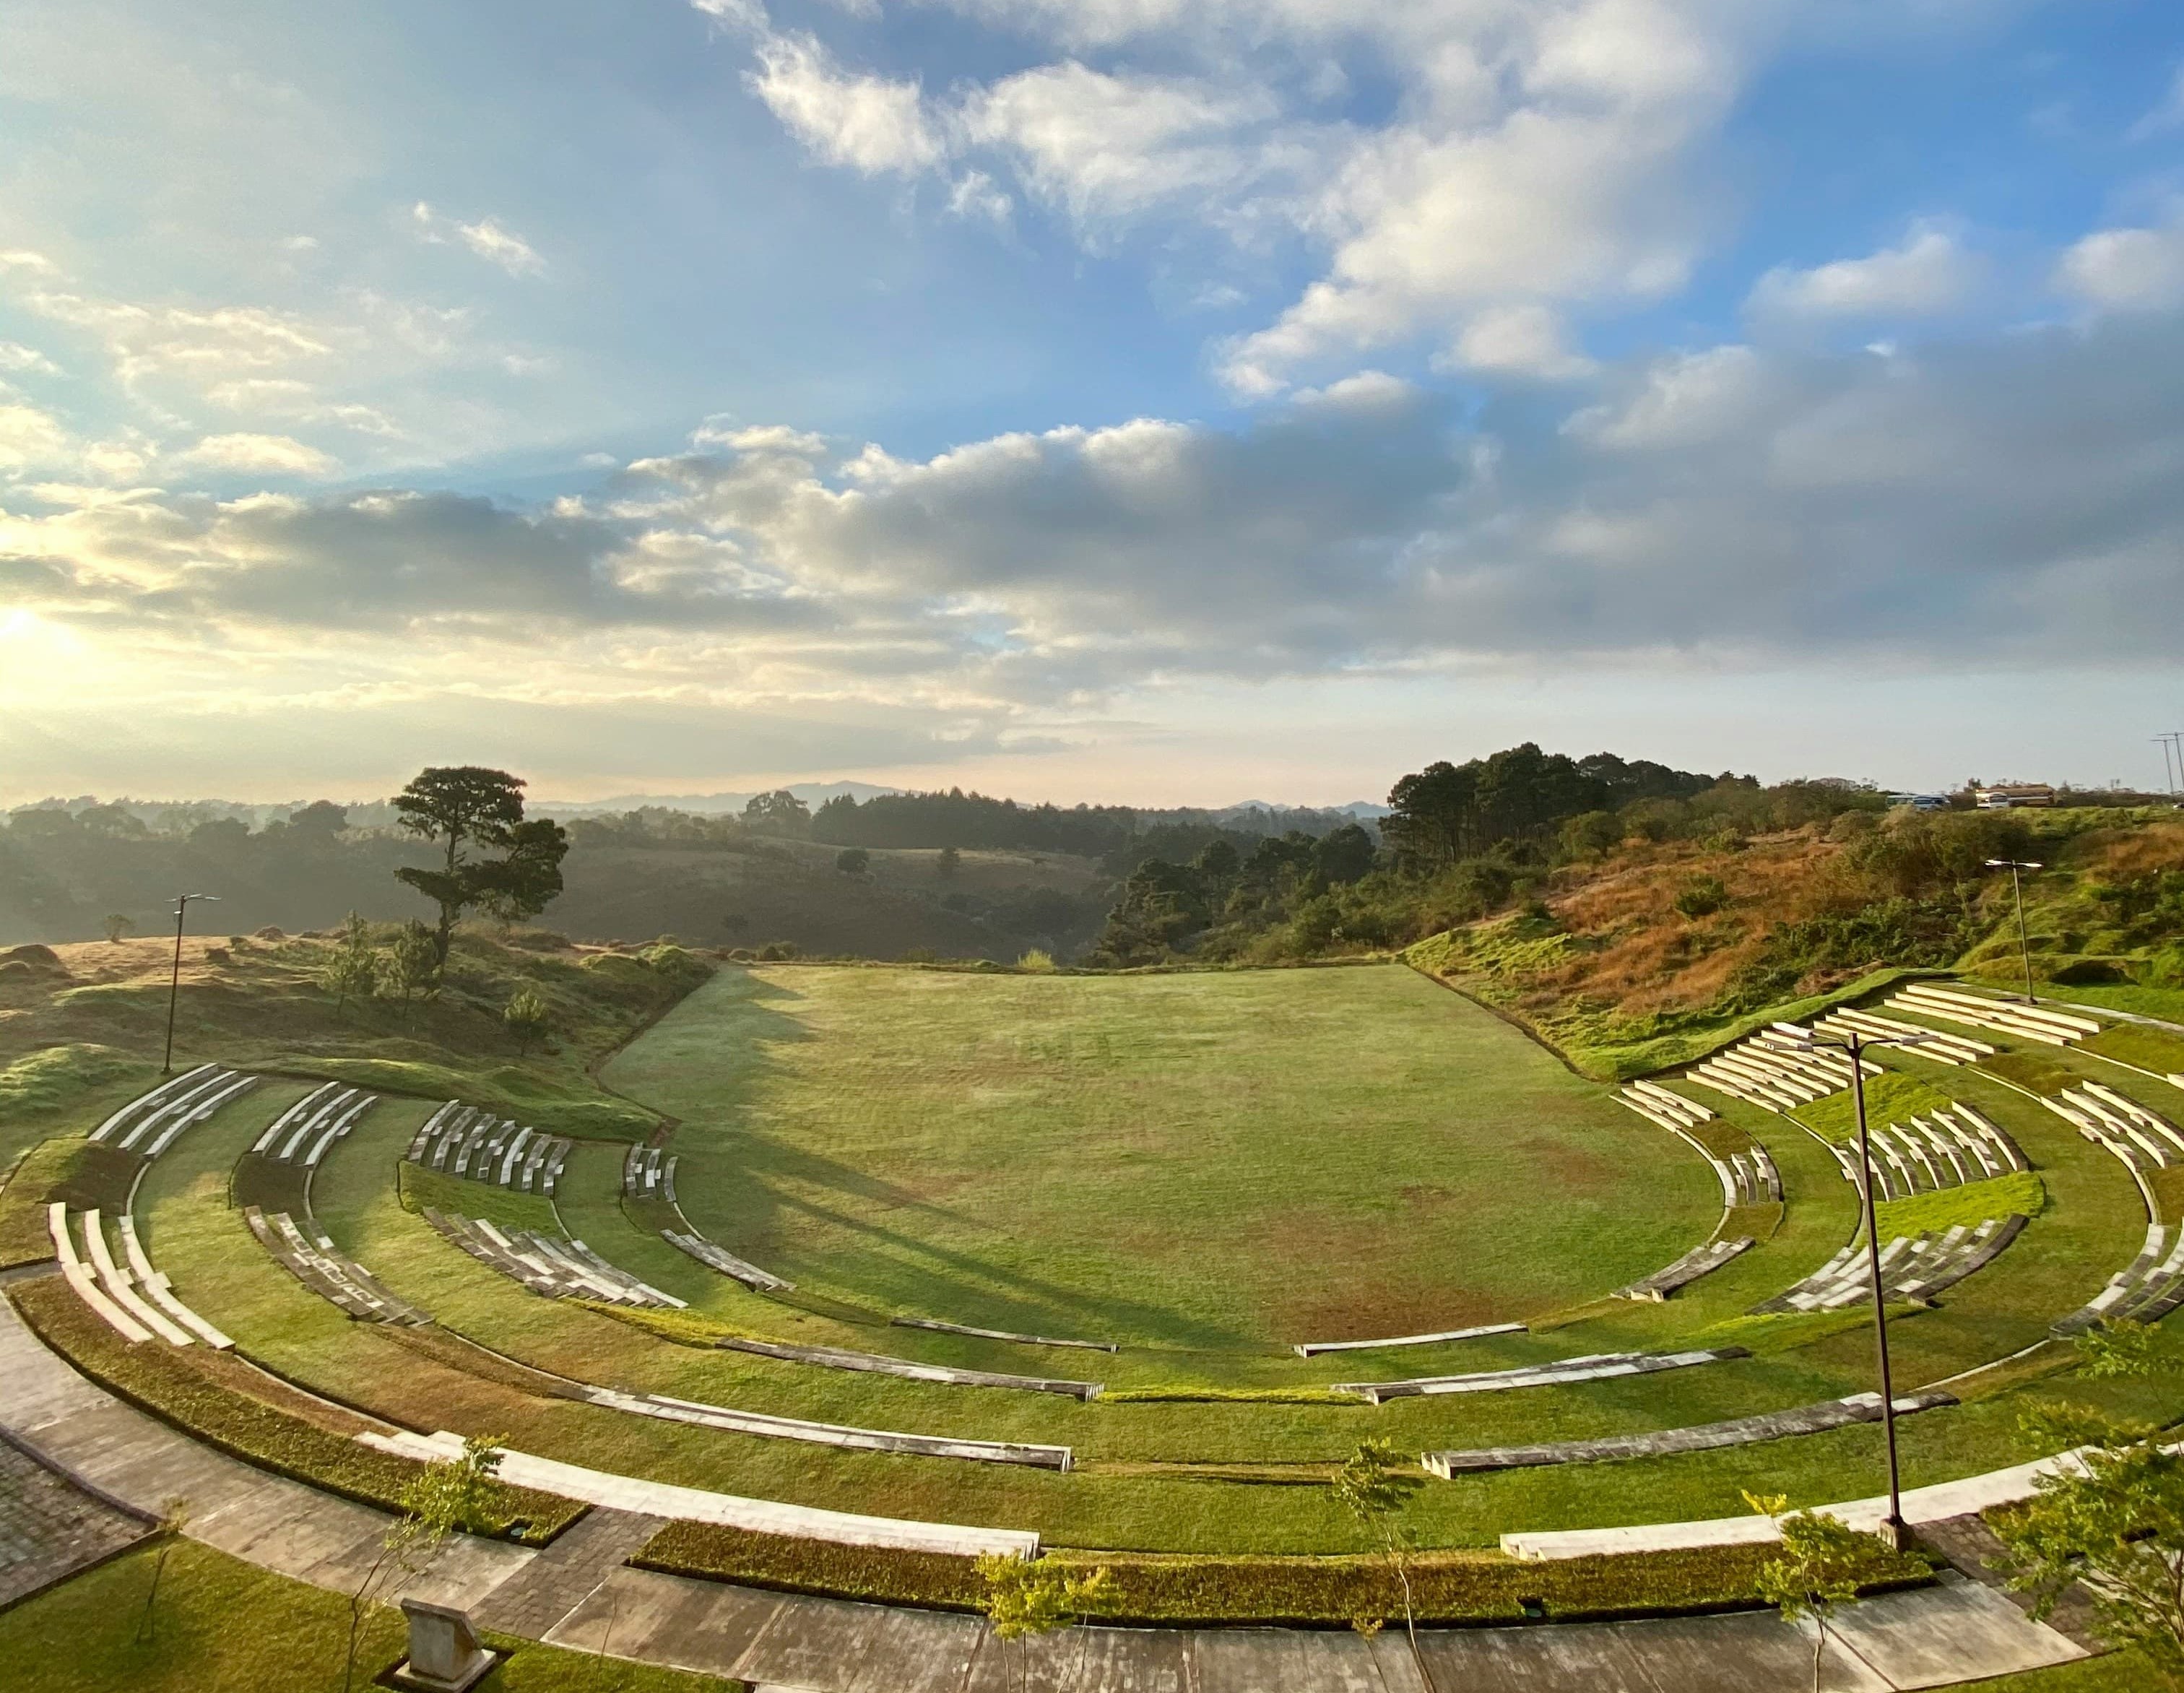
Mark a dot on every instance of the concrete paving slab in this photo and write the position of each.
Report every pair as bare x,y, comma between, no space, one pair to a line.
913,1651
1731,1654
1083,1661
696,1625
1955,1631
1278,1660
1530,1660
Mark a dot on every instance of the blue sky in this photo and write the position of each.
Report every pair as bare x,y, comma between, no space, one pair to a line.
1119,399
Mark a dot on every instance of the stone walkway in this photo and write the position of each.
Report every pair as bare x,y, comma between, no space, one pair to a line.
579,1593
50,1529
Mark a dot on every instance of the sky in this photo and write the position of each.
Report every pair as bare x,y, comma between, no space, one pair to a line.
1117,400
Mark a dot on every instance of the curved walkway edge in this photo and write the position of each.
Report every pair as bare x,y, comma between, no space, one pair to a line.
579,1592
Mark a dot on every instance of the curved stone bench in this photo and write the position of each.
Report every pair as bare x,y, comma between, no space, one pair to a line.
672,1410
938,1326
696,1505
1700,1261
878,1363
719,1258
1592,1366
1704,1436
1313,1348
340,1281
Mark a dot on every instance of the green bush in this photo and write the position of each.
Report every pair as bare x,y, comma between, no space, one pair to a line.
1702,896
170,1386
1178,1590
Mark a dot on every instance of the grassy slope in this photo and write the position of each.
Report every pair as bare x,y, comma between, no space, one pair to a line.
85,1032
81,1637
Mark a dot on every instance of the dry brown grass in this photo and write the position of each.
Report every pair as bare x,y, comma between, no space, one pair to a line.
1642,955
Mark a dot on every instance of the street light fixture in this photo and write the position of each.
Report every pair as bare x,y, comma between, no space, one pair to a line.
2023,946
175,981
1892,1530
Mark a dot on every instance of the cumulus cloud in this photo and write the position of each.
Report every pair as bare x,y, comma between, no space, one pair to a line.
867,123
1929,272
29,436
488,238
1518,339
1737,502
2125,270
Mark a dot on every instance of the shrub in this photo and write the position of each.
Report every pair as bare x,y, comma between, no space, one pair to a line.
853,861
1702,896
1178,1589
1038,960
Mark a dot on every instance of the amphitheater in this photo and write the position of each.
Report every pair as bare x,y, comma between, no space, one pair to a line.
918,1266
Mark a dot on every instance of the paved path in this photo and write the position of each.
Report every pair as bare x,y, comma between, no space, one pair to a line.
50,1529
579,1593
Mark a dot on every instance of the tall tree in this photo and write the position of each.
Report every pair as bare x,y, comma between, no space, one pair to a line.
470,810
777,813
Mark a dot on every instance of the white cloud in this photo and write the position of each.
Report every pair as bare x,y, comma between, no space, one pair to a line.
974,195
2124,269
867,123
1683,400
29,436
488,239
1929,272
16,356
1110,147
1527,340
249,453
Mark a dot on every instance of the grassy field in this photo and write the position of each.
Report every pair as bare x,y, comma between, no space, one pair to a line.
221,1624
1206,1161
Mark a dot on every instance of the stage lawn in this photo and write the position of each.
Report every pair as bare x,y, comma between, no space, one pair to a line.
1206,1159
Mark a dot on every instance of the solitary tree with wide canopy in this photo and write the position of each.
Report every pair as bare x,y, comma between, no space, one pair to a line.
475,812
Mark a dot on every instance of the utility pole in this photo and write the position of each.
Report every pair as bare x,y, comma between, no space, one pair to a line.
1892,1530
2167,763
2023,946
175,981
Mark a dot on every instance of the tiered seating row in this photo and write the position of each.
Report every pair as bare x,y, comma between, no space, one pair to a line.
1700,1261
465,1140
649,1173
695,1504
879,1363
2003,1016
319,1267
1758,1071
1705,1437
1310,1349
137,1302
2147,1289
1657,1104
1942,1048
148,1124
719,1258
558,1269
829,1433
1746,1177
1949,1147
2107,1118
1592,1366
301,1134
1911,1269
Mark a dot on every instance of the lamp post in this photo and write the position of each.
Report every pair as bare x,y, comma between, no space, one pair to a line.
2023,946
1892,1530
175,981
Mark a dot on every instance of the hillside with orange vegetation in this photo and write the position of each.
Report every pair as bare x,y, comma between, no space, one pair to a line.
1634,958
